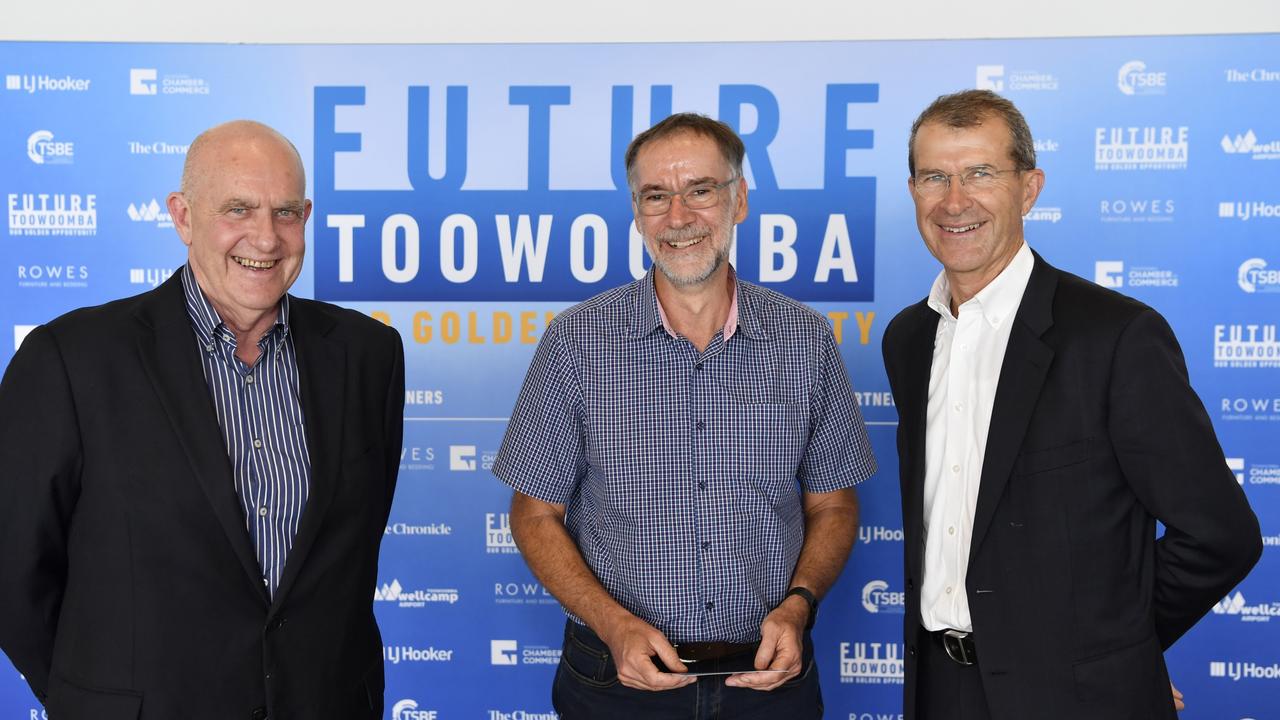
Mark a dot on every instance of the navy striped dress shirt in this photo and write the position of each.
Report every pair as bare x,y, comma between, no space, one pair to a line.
262,426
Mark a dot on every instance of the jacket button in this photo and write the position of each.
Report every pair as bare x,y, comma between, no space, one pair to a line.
259,714
912,651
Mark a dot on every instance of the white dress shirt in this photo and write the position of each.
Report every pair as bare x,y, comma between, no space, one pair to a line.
968,352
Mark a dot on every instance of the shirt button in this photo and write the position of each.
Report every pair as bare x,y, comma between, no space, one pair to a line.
257,443
702,484
959,407
951,530
706,545
701,425
249,379
948,589
698,366
710,605
955,468
208,348
964,346
262,511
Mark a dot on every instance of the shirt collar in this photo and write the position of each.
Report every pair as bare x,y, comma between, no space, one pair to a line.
208,324
648,314
999,300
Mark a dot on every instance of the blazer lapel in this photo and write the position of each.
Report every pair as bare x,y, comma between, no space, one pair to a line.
167,351
1026,364
321,374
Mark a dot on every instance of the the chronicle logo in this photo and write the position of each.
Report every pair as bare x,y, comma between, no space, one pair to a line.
407,709
43,276
1246,210
1112,274
38,214
497,534
1244,670
148,81
1149,147
394,593
43,149
1147,210
403,529
1247,144
1246,345
876,598
157,147
150,213
1254,277
1235,75
871,663
522,715
149,276
1134,78
509,652
1235,605
994,78
32,84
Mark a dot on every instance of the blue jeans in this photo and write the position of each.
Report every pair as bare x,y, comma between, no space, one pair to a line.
587,688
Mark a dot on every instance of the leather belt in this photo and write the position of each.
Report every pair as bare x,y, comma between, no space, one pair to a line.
958,645
703,651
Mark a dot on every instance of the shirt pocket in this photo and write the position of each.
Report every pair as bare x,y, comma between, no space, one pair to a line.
767,442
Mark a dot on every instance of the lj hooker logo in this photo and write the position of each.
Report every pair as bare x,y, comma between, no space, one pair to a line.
41,214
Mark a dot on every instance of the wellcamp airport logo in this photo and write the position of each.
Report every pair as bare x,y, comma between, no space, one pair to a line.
151,213
1255,277
497,534
1235,605
995,79
876,598
1245,345
1246,210
32,84
1149,147
509,652
407,709
44,149
395,593
1044,214
871,663
1247,144
148,81
1135,78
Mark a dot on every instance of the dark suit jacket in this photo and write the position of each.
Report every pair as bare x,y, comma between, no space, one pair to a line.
128,582
1095,434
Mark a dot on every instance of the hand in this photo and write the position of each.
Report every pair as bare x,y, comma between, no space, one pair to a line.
633,642
781,647
1177,698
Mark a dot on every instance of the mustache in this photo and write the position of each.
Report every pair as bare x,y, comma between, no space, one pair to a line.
687,232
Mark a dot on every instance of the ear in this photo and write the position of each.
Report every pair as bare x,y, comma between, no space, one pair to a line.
1032,184
180,213
740,206
306,211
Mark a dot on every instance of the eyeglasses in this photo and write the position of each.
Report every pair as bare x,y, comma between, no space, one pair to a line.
974,179
698,197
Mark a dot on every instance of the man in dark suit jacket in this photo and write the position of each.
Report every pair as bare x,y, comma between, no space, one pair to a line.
1046,424
194,482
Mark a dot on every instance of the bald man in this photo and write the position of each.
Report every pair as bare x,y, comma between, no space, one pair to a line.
194,481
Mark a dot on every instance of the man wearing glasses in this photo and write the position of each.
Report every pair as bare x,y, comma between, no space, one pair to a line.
684,452
1045,425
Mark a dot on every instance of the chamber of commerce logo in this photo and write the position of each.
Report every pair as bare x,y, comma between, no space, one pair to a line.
1109,273
149,276
871,663
1248,144
417,458
396,654
37,214
1141,148
497,534
152,212
156,147
20,333
395,593
408,710
1235,605
1244,670
1112,274
33,84
142,81
876,598
53,276
1136,210
504,652
1044,214
1254,277
994,78
462,457
509,652
148,81
1246,210
1134,78
1235,75
522,593
43,149
1245,345
868,534
1236,466
1257,408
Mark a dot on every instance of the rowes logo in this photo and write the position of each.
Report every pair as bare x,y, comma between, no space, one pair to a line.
497,534
151,212
1244,670
396,654
408,710
1248,210
1139,210
1248,144
147,81
33,84
149,276
1235,605
522,593
394,593
876,598
1134,78
993,78
508,652
1111,274
41,214
1257,408
871,663
42,149
1254,277
1141,148
417,458
1241,345
53,276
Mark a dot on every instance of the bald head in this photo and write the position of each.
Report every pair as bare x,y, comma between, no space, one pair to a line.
208,151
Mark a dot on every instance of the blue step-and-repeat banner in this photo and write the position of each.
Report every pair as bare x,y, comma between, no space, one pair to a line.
465,194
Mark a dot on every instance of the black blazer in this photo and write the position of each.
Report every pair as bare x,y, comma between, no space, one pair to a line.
1095,434
128,583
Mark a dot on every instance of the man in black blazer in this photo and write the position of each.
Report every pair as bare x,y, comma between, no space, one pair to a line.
1045,425
194,482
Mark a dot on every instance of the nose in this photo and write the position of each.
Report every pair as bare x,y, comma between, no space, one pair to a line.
679,214
956,200
264,236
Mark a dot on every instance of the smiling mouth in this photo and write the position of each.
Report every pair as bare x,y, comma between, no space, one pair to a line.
682,244
254,264
960,229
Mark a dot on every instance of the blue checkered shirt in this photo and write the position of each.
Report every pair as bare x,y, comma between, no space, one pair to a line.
261,420
682,471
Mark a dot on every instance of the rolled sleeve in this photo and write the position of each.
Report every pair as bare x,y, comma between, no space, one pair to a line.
839,453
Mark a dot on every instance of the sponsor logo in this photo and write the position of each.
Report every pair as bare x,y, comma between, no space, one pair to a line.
497,534
1244,670
423,397
20,333
509,652
53,276
396,654
1236,605
1253,75
41,214
868,534
42,149
1270,541
156,147
1046,145
1112,274
417,458
148,81
394,593
462,457
1141,148
151,212
1264,474
1044,214
522,715
33,84
1236,466
994,78
401,529
149,276
876,598
1246,210
504,652
1109,273
522,593
1240,345
408,710
871,663
1134,78
1248,144
38,714
1250,408
1138,210
1254,277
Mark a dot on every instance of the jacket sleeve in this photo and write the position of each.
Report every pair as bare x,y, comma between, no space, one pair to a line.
40,463
1171,458
394,424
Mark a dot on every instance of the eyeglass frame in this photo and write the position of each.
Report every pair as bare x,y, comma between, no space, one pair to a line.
672,195
915,179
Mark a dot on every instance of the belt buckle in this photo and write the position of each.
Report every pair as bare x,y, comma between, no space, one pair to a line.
953,641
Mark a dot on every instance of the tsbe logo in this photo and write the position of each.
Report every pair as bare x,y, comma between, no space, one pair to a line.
871,663
148,81
504,652
43,149
1245,345
1243,670
1235,605
1134,210
32,84
1248,144
1150,147
40,214
876,598
1245,210
149,276
408,710
1254,277
868,534
1134,78
395,593
1235,75
497,534
53,276
994,78
396,654
152,213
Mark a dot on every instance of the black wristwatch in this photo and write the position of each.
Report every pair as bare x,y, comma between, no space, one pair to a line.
810,598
